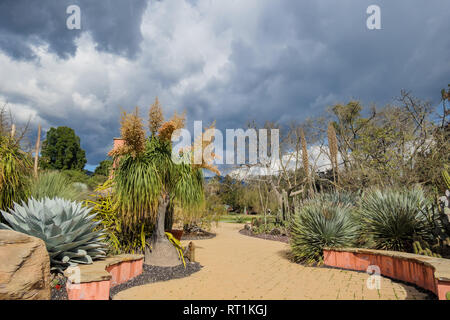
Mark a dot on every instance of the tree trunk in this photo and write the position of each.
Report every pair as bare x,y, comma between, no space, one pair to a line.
285,205
162,252
168,221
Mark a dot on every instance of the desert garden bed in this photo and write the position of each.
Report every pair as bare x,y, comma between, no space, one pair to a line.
198,235
265,236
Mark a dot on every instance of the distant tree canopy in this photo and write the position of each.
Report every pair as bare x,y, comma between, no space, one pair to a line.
104,167
61,150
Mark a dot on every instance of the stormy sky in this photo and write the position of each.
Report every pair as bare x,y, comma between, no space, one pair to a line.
224,60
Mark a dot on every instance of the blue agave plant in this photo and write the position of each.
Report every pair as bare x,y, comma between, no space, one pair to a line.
67,228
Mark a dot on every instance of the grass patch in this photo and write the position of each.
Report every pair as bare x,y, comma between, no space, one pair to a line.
238,218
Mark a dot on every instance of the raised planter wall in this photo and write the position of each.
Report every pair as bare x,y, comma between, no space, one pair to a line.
95,280
429,273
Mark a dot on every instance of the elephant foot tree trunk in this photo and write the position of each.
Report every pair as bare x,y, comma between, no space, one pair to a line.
162,252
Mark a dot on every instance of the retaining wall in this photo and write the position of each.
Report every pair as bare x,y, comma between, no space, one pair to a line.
93,281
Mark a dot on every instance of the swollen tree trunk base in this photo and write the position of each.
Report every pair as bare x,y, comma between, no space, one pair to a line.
162,254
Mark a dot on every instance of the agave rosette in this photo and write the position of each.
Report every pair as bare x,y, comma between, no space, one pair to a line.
68,229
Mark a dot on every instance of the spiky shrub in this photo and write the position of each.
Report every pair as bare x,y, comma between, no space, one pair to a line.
68,229
54,184
318,225
15,169
393,217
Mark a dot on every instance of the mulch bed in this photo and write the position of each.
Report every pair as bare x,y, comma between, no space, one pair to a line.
272,237
203,235
149,274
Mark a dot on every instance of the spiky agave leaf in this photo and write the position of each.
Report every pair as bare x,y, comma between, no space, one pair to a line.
67,228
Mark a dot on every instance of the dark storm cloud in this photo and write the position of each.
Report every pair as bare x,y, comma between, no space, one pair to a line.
114,25
306,51
272,60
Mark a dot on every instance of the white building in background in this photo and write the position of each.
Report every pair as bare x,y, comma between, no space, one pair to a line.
318,159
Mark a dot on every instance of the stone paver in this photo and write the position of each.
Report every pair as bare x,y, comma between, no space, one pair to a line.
247,268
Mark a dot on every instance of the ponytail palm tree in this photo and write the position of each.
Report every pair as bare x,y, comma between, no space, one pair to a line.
147,182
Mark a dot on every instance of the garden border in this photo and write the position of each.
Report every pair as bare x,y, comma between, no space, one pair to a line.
95,280
430,273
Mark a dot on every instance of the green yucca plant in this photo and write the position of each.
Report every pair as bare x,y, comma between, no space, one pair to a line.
68,229
15,170
320,224
54,184
393,217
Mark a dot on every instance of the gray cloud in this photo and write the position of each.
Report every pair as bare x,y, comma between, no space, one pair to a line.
231,62
115,26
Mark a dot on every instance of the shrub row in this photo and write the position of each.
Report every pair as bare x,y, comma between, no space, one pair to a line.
389,219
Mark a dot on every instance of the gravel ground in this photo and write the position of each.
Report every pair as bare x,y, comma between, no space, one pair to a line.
284,239
61,293
149,274
152,274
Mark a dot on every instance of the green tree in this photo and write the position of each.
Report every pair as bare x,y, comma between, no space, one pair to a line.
397,144
61,150
104,167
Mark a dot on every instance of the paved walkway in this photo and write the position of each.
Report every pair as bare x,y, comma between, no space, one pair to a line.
242,267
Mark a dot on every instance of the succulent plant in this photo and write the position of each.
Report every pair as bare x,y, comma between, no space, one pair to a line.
68,229
394,217
318,225
423,248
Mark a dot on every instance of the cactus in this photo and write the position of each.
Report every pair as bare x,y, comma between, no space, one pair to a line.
422,248
66,227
